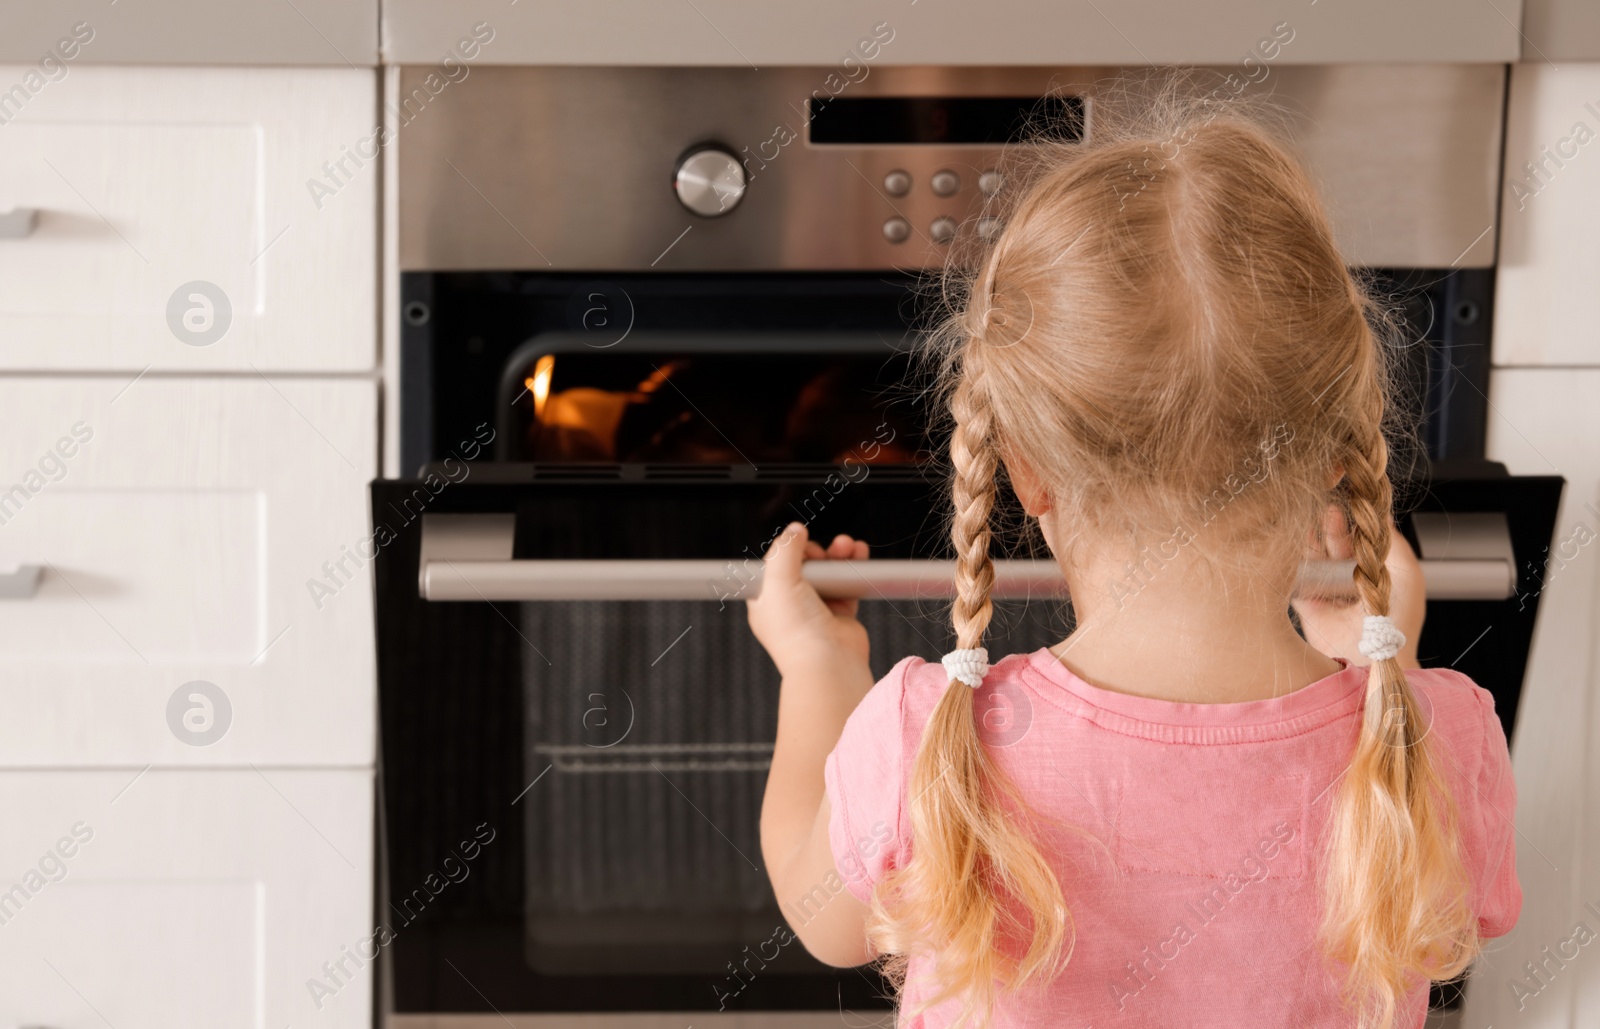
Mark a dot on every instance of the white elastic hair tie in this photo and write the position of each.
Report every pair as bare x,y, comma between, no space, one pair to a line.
968,666
1380,640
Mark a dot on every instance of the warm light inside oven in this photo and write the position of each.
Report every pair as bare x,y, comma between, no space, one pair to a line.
691,409
539,383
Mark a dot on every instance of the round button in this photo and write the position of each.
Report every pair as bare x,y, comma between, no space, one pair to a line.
945,182
710,181
896,230
943,230
897,184
990,182
989,228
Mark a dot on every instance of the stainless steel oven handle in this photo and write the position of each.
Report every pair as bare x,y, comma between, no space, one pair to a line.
468,557
868,580
715,580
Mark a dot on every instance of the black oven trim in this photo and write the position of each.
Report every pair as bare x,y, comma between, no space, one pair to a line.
458,331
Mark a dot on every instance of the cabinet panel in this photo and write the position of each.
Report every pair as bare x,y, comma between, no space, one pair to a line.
165,218
1004,32
336,32
1545,421
1550,218
1560,30
183,898
177,524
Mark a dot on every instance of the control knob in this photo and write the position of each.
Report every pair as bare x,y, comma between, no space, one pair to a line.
709,181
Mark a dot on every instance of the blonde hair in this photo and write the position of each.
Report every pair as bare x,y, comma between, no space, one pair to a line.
1164,296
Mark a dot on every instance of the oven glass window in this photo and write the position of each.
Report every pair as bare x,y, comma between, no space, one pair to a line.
715,408
649,732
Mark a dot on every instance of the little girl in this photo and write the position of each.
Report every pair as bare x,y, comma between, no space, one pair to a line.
1190,814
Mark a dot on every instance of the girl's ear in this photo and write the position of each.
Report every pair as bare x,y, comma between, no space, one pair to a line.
1035,498
1335,474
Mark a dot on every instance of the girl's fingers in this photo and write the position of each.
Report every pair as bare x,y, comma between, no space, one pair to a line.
783,558
843,548
1336,533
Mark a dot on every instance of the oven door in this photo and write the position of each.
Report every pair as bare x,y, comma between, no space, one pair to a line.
613,751
577,723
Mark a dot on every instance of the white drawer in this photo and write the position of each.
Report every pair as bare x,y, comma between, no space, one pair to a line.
186,899
177,523
146,179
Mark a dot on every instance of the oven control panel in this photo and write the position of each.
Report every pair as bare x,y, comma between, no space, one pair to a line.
945,182
870,166
720,169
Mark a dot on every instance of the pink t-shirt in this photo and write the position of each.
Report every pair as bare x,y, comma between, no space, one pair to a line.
1194,893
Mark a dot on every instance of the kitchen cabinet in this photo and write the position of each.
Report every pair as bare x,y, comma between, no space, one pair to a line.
1005,32
1560,30
1544,421
333,32
177,526
1550,218
197,219
161,899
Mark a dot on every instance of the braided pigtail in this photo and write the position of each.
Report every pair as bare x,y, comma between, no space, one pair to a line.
977,895
1396,896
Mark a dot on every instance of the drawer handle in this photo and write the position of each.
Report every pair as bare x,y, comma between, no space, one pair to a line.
20,584
18,222
468,557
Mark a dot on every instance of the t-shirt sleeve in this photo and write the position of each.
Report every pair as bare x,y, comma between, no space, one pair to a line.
865,781
1499,893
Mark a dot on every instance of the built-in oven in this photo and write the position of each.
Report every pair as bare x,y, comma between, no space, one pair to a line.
641,330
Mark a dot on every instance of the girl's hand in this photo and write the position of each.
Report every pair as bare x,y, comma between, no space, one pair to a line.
801,631
1333,624
821,652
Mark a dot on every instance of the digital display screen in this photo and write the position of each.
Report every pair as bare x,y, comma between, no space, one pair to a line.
947,120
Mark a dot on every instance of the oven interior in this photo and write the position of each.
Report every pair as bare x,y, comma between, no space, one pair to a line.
687,404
